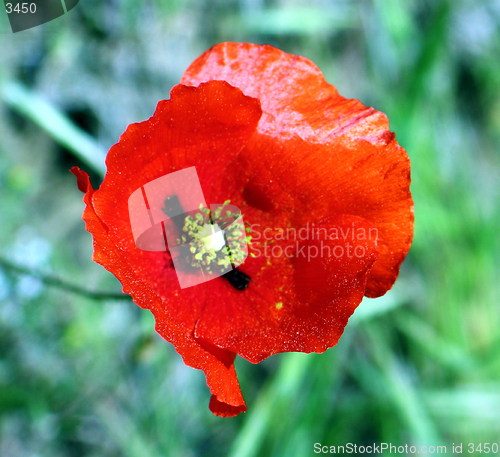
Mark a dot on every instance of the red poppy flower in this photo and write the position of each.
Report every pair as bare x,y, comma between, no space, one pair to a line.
319,179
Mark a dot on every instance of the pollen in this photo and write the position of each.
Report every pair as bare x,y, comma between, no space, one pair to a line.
212,237
215,241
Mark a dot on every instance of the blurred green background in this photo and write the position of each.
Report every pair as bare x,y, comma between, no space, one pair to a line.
82,372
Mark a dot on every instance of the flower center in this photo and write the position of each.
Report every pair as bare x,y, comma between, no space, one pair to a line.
212,237
215,241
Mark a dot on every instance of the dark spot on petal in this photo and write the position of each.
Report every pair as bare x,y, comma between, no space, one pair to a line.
237,279
257,197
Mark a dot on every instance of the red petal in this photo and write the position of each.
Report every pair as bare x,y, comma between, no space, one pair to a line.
216,363
368,171
294,95
223,409
299,300
289,184
193,128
